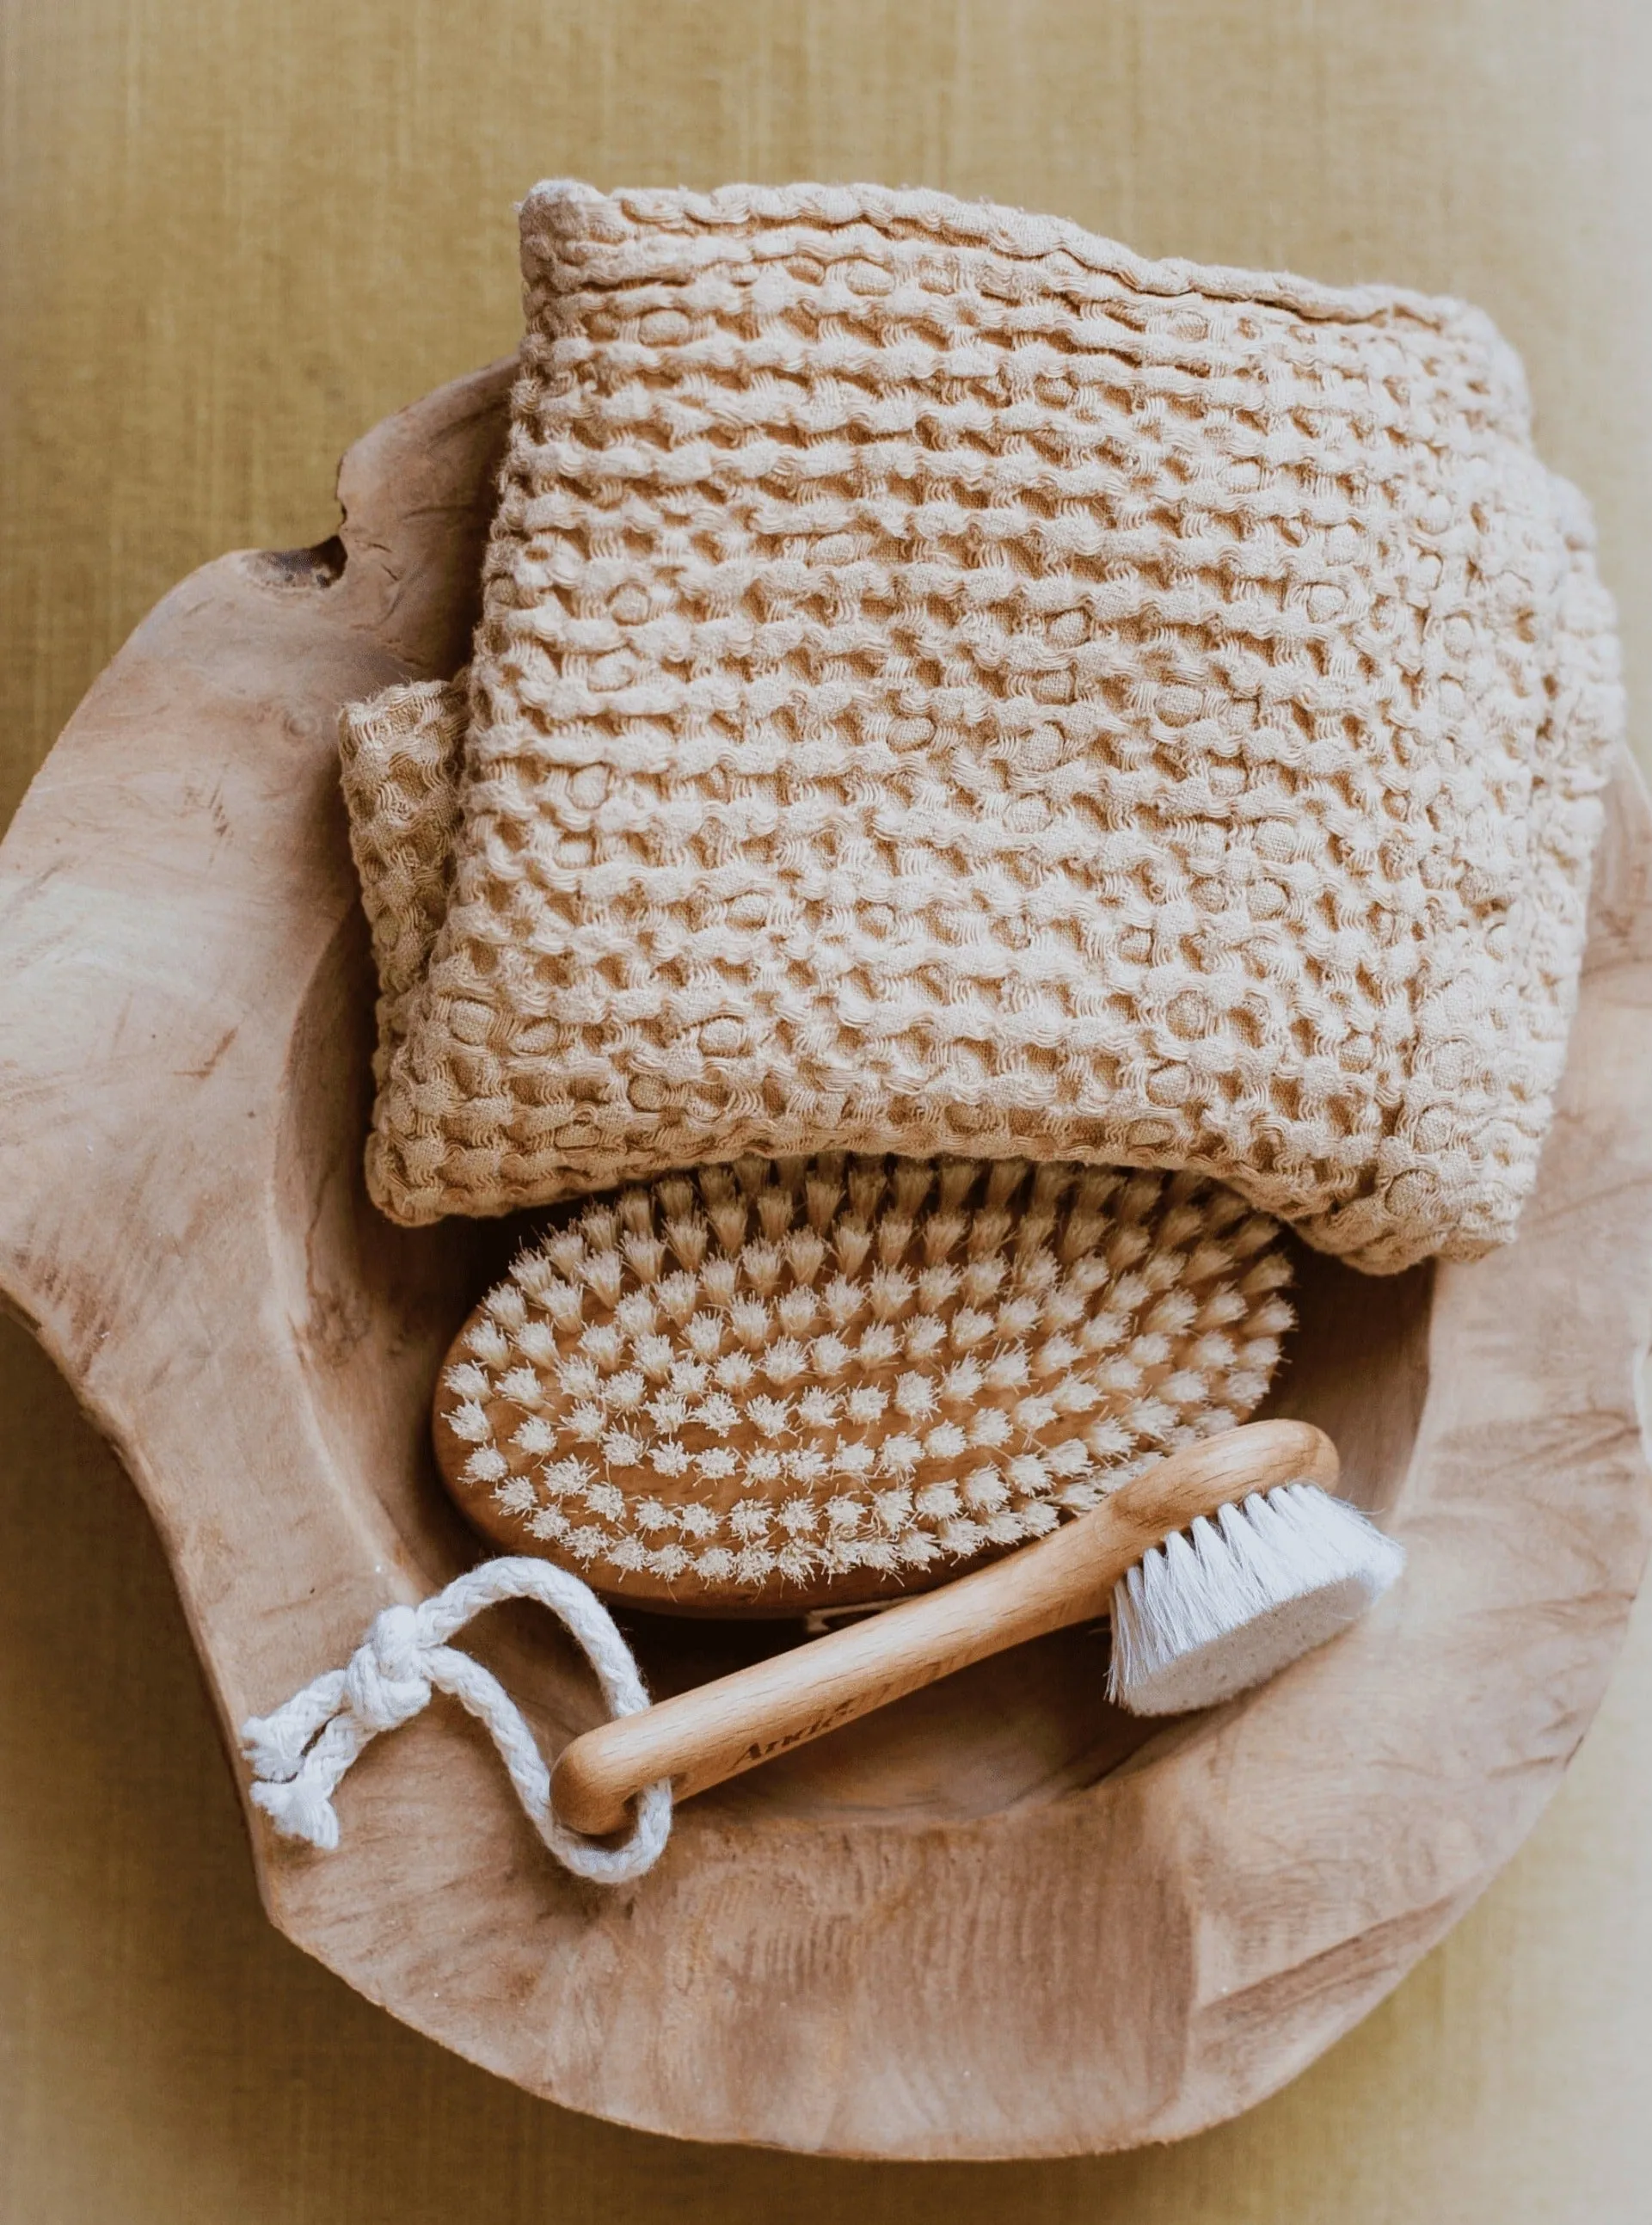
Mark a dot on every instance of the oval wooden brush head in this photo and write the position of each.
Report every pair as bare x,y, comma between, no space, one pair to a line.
778,1385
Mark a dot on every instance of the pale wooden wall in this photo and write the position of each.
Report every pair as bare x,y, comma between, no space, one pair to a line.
232,235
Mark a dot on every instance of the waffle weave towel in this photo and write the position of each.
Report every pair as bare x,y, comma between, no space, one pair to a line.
947,685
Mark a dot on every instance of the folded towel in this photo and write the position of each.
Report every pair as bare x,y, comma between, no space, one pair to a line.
947,685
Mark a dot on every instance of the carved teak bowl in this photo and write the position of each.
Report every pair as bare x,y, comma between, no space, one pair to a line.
995,1920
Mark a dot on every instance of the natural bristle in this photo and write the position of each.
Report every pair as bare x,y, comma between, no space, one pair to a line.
1222,1607
785,1382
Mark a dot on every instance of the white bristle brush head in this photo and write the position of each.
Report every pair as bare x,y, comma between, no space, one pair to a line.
1229,1602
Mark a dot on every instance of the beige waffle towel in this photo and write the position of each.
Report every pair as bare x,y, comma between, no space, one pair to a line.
947,685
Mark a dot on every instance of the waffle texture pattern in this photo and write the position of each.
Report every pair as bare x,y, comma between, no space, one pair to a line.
947,685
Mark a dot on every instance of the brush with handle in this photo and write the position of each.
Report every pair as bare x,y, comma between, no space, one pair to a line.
1219,1565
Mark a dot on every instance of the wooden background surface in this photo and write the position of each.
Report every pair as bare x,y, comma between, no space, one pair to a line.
234,236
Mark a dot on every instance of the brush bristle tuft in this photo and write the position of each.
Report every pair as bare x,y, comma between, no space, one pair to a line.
1228,1603
764,1378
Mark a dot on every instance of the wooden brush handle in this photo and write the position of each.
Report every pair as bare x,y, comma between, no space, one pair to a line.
699,1738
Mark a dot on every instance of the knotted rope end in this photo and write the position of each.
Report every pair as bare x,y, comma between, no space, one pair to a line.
300,1752
274,1745
300,1810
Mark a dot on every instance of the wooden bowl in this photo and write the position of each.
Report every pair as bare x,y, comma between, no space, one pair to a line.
998,1919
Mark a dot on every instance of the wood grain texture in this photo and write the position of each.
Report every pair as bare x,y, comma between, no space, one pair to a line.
235,237
186,1010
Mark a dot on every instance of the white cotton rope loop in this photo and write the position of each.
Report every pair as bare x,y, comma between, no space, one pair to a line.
300,1753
